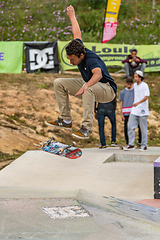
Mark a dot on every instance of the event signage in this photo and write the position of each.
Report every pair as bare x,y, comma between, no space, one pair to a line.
1,56
11,57
42,56
110,23
114,54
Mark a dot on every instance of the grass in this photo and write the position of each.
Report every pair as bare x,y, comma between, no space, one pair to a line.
44,20
7,158
43,86
15,118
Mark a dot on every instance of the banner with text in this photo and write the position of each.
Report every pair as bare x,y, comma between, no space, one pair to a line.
42,56
114,54
11,56
110,22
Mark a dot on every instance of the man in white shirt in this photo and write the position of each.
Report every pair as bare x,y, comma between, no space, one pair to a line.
139,112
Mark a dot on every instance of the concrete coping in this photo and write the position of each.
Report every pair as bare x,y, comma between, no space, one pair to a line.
157,162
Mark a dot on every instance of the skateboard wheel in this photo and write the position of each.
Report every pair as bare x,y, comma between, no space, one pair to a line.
61,150
120,148
74,143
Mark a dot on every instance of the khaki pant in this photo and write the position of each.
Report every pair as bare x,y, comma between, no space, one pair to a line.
100,92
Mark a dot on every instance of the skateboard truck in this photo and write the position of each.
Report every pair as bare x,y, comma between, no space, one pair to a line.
48,142
72,145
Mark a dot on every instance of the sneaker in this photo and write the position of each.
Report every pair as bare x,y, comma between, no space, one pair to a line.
143,149
102,147
114,144
128,148
82,133
59,123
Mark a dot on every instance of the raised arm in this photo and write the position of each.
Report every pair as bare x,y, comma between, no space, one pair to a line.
75,26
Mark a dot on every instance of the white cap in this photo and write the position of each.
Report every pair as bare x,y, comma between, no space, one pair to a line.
140,73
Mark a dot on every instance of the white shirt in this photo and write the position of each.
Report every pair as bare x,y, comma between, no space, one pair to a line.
140,91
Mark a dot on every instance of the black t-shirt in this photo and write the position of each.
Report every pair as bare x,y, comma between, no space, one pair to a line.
91,61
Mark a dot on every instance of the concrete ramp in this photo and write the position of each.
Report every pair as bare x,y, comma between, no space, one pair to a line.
40,171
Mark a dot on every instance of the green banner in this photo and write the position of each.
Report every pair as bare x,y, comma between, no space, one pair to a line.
114,54
11,57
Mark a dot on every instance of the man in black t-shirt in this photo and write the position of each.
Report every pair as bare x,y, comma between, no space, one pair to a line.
96,85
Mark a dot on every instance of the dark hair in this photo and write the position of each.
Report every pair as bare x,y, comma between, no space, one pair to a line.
129,80
76,48
134,50
141,77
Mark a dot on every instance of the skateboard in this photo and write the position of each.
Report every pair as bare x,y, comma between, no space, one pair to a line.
68,151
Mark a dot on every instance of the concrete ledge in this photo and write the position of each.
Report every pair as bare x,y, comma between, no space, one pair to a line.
120,206
11,192
132,157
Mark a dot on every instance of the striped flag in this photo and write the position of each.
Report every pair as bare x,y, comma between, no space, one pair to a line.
110,23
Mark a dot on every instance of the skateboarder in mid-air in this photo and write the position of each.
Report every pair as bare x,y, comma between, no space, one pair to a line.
96,85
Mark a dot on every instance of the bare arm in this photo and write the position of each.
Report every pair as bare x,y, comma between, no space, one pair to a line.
97,75
121,106
141,101
75,26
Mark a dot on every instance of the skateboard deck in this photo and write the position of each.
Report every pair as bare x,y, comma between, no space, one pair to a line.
68,151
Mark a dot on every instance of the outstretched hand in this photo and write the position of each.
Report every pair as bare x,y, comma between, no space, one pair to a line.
82,90
70,11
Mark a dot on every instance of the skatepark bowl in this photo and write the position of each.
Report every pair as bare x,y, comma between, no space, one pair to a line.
104,194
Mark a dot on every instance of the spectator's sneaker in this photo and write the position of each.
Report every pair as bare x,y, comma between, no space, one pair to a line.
114,144
82,133
59,123
143,149
128,148
103,147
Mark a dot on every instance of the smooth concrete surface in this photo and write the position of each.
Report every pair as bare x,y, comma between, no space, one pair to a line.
106,183
45,171
24,219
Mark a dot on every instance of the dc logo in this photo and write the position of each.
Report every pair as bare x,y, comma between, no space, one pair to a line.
41,58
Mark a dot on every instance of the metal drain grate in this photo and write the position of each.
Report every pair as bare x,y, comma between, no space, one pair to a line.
63,212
